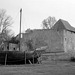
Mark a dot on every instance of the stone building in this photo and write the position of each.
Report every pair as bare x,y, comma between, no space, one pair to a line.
11,45
68,34
60,38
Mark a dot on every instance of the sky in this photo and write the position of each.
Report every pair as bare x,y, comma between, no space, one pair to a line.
35,11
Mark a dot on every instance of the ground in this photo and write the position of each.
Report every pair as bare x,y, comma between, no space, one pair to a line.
46,68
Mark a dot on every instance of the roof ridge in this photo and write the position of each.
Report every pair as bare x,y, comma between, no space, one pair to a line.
67,25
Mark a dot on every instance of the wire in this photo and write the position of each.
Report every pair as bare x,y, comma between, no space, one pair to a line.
16,15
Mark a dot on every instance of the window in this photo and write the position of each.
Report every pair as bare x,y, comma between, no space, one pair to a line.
65,39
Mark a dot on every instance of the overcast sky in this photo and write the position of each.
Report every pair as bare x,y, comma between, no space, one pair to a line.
34,11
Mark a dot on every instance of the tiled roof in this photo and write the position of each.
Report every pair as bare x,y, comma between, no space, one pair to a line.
67,25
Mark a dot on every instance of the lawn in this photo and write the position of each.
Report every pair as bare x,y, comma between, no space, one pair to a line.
46,68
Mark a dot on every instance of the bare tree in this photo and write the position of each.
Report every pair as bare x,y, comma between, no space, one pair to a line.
49,22
5,22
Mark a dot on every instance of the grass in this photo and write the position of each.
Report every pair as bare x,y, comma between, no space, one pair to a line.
48,67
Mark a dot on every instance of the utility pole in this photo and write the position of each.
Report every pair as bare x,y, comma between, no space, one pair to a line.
20,28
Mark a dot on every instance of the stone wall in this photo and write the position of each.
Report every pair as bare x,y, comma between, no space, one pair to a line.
12,47
51,38
69,42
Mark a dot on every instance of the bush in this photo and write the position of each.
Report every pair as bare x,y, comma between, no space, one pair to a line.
73,59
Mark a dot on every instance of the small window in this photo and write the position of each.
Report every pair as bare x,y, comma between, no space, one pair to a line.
14,49
8,47
65,38
57,29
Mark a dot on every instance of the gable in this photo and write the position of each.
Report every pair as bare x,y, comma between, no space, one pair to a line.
67,25
62,24
58,26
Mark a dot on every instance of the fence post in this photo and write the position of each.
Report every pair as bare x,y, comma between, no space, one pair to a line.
5,59
25,57
33,58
